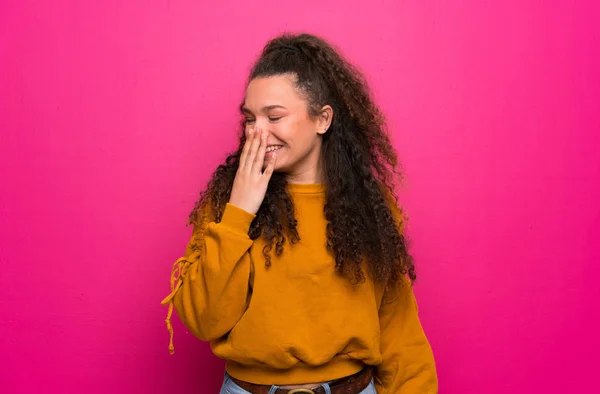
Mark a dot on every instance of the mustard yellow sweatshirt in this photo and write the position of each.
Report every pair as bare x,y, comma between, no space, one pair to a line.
297,321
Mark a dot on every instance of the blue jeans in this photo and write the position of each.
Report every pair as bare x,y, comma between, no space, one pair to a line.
229,387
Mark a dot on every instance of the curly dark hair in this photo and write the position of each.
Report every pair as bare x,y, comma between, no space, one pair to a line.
359,162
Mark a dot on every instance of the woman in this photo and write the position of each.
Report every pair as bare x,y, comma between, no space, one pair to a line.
297,271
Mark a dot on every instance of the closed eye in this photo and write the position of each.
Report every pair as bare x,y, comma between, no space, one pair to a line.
274,118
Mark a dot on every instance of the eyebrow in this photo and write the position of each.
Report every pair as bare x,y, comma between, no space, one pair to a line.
246,110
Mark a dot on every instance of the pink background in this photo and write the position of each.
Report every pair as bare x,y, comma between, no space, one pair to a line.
114,114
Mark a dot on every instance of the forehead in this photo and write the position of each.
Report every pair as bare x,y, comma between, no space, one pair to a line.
275,90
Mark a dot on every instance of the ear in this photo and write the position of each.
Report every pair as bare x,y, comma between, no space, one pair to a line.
324,119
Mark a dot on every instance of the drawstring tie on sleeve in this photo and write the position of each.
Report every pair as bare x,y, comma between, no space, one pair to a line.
180,268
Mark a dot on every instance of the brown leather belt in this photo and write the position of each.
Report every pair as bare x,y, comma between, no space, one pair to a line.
352,384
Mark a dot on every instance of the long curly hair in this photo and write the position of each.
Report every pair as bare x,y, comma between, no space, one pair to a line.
360,167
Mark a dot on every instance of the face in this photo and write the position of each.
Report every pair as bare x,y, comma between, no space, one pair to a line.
274,105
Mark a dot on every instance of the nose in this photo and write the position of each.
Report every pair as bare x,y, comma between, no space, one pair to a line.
258,125
262,123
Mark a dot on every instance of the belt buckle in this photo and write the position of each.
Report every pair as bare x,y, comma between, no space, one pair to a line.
301,391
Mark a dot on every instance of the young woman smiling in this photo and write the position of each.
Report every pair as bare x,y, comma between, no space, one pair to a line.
297,271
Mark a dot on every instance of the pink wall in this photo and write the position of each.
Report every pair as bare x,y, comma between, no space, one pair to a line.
113,115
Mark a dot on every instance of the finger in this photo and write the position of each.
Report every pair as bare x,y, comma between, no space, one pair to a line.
257,164
246,148
270,168
254,144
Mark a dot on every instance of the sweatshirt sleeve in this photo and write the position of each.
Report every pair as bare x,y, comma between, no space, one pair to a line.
209,285
408,365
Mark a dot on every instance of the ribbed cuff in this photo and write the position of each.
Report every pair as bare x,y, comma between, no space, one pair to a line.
237,219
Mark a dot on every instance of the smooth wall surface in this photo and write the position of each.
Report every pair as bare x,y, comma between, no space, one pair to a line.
114,114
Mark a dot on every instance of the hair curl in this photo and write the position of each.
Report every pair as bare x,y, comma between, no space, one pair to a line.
360,167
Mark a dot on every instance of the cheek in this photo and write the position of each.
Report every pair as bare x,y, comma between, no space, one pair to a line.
297,134
306,137
282,133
